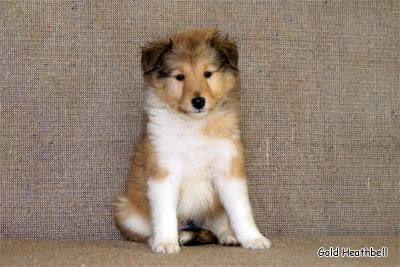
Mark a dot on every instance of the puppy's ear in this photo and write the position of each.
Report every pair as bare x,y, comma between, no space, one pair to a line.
152,54
226,49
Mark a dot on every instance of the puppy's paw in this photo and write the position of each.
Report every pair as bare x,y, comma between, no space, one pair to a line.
165,248
227,238
185,237
258,243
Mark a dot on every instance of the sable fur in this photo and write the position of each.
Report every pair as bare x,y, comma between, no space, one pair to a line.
190,163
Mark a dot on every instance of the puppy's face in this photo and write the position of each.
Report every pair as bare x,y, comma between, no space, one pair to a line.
192,72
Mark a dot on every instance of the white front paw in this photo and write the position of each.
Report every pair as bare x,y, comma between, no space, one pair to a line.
165,247
257,243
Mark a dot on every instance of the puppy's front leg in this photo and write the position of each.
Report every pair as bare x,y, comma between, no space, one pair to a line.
163,197
234,196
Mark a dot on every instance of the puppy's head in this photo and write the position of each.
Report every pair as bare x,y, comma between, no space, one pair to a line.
193,72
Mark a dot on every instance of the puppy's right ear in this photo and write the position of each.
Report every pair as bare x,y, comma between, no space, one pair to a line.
226,49
152,54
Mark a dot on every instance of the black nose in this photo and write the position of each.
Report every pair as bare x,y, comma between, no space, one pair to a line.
198,102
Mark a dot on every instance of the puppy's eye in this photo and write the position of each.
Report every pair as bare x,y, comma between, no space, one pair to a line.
180,77
207,74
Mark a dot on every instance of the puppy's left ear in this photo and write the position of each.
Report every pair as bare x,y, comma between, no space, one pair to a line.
227,50
152,54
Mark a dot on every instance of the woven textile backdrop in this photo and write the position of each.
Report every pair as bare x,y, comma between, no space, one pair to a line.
320,110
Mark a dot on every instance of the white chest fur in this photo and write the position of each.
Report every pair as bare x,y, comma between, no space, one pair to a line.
190,157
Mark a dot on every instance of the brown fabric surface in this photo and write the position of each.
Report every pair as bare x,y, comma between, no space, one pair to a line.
320,110
285,252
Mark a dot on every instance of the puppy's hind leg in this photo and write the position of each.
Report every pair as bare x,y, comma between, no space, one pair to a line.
133,225
220,226
196,236
215,229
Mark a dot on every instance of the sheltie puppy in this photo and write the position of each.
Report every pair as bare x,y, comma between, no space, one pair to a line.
190,165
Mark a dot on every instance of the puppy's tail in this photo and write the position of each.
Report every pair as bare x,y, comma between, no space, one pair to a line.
196,236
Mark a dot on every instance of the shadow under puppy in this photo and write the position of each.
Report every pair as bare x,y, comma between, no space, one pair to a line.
190,165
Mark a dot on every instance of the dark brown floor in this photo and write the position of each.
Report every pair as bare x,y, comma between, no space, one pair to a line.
298,251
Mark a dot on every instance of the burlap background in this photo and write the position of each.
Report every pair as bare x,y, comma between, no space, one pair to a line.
320,110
